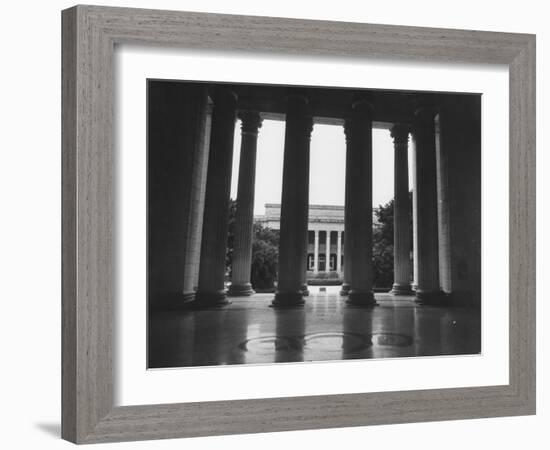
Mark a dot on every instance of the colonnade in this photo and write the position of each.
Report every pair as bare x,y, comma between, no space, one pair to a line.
328,250
357,246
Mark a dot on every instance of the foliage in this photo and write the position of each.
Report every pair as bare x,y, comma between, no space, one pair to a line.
324,278
265,256
382,244
262,233
265,249
323,275
230,235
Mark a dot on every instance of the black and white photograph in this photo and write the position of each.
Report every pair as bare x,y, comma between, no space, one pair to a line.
292,224
276,225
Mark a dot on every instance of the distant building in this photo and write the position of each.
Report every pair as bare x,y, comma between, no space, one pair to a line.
325,231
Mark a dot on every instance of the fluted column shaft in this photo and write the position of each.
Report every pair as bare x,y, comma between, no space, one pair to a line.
359,204
211,289
244,215
414,284
401,214
443,213
294,203
327,252
305,290
316,252
339,252
347,220
427,278
177,121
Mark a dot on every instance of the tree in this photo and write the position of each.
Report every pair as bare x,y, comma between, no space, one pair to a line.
265,252
382,244
230,235
265,257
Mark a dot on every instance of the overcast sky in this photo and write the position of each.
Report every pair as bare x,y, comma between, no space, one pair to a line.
327,167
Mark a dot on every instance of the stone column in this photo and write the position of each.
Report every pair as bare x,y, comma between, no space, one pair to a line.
401,215
427,279
339,252
294,203
347,220
244,215
305,290
327,252
316,252
443,213
211,289
414,216
359,204
177,120
202,190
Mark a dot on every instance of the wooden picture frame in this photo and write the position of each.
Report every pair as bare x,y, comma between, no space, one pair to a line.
89,36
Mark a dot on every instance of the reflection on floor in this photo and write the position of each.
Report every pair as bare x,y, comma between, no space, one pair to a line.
249,332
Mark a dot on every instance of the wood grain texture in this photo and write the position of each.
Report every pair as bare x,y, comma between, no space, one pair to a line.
89,36
68,225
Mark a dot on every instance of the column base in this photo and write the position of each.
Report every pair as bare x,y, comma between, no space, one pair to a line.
189,297
436,298
401,289
345,290
240,290
361,298
288,299
210,299
305,290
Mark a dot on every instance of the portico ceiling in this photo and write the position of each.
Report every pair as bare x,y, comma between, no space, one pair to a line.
327,105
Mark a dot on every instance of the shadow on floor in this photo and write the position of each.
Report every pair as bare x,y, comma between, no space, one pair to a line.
248,331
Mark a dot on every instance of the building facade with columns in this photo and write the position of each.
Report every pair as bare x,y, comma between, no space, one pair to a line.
190,148
325,235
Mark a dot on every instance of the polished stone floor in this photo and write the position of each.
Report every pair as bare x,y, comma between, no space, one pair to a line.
248,331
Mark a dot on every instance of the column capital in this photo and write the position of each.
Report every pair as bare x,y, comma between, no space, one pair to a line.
424,116
362,105
361,109
251,122
297,97
297,106
400,133
424,107
222,96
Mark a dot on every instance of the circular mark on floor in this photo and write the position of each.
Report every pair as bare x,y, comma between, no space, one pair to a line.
391,340
337,341
266,344
324,342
